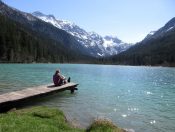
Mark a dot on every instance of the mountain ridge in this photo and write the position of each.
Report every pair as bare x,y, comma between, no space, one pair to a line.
43,28
170,25
157,49
60,41
95,44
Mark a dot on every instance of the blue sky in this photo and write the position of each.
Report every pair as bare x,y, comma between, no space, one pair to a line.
129,20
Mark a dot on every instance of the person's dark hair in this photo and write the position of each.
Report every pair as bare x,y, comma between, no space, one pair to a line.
57,71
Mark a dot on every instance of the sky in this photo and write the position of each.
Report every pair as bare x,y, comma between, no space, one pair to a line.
129,20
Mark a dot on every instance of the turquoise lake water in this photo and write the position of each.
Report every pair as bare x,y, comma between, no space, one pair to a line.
137,98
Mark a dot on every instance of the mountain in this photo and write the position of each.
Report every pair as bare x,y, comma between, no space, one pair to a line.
25,38
168,27
74,38
43,29
95,44
158,48
19,44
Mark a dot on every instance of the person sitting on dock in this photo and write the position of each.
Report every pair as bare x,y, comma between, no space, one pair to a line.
59,79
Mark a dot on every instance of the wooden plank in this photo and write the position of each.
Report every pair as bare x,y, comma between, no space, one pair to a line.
34,91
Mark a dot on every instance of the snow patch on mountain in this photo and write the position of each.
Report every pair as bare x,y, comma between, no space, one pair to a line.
152,32
169,28
149,35
29,16
108,43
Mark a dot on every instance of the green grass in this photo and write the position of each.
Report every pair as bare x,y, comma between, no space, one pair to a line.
44,119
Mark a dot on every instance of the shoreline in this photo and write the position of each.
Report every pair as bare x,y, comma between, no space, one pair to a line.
168,66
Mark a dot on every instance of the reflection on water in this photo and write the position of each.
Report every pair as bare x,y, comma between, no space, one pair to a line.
139,98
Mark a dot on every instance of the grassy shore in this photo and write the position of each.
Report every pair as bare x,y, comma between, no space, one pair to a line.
44,119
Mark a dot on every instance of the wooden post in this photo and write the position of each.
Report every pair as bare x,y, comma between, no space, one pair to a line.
72,90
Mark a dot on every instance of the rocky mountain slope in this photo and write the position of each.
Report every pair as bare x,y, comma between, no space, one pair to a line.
95,44
44,29
25,38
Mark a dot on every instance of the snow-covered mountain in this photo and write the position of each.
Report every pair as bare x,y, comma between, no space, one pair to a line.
95,44
44,29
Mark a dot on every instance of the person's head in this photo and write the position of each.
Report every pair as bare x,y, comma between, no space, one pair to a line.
57,71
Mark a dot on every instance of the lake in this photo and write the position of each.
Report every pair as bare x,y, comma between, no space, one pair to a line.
137,98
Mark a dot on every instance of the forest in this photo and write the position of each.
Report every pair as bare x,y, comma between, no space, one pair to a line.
19,44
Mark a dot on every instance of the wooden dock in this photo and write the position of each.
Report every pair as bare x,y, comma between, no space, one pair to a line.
11,99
